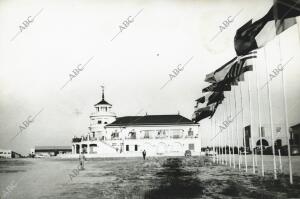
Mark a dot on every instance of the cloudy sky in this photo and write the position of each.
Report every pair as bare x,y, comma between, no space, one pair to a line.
133,67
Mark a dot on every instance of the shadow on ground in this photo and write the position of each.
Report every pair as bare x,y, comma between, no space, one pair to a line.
175,182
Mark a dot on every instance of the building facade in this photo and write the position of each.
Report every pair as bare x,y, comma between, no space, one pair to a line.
48,151
4,153
128,136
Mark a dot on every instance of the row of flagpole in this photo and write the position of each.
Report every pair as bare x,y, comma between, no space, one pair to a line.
225,151
248,38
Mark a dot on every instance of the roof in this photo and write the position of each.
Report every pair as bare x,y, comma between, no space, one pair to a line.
53,148
102,102
296,126
150,120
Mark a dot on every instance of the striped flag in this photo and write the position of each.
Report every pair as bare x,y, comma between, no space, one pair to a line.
220,74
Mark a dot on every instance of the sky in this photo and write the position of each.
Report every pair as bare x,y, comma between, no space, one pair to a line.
133,64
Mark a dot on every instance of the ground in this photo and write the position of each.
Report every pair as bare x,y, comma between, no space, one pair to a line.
156,177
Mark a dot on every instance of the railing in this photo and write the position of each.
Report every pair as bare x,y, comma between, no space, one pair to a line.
161,137
176,136
131,138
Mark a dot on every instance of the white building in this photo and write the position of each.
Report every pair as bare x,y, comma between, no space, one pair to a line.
6,153
129,136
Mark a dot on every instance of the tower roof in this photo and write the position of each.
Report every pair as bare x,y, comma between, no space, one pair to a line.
102,102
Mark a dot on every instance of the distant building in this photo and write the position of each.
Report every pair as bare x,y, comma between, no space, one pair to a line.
9,154
47,151
130,135
295,134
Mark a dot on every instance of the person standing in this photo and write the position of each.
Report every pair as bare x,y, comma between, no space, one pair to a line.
144,154
81,160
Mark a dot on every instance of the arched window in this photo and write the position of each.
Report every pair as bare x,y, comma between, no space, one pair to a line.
264,142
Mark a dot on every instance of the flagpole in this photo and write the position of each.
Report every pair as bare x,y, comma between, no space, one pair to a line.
251,123
236,129
286,121
220,151
259,121
213,145
231,134
271,115
225,135
221,137
216,135
228,132
243,129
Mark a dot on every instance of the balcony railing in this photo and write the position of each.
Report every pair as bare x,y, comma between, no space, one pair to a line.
161,137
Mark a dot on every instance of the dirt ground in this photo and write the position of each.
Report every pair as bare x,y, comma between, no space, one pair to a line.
155,178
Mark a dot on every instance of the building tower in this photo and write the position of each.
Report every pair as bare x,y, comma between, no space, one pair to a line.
101,117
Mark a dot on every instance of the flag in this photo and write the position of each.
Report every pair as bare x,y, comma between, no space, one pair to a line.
217,87
234,75
236,70
202,113
202,100
281,22
215,97
255,34
210,98
219,74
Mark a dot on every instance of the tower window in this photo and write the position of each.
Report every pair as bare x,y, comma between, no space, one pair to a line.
191,147
99,122
127,147
105,122
135,147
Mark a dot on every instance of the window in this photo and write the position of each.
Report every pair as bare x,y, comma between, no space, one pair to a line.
161,134
135,147
176,133
127,147
115,135
190,132
262,131
191,147
99,122
278,130
105,122
147,134
132,135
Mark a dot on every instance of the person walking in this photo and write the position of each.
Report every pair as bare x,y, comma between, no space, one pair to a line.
81,160
144,154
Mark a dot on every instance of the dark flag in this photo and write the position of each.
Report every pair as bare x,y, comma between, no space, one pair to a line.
215,97
255,34
202,113
217,87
